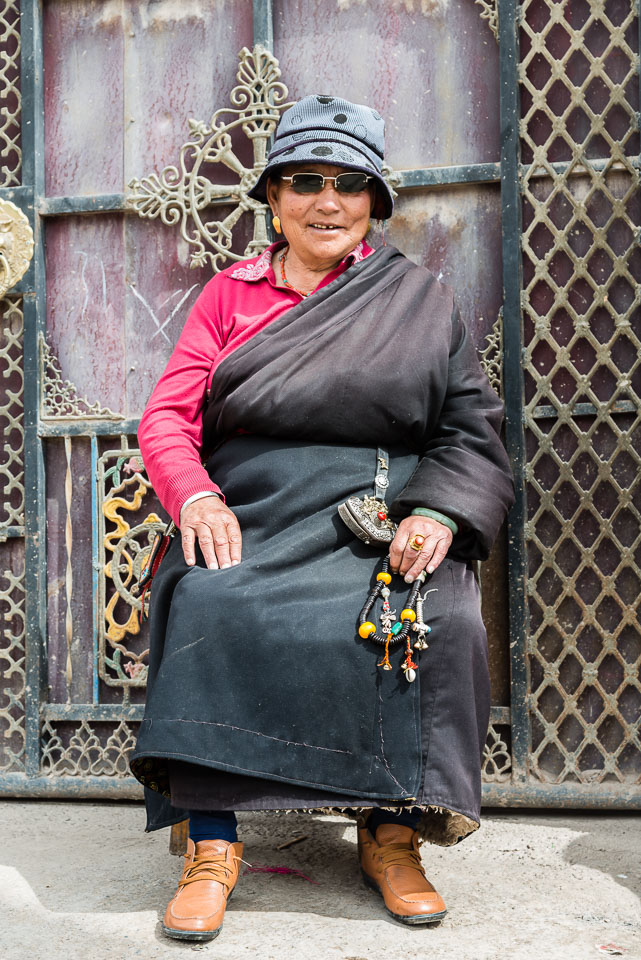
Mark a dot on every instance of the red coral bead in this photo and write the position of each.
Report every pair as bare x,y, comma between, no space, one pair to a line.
381,515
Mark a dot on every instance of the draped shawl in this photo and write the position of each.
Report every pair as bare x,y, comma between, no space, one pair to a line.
379,357
256,671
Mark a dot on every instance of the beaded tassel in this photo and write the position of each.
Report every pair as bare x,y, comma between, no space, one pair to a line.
395,633
387,619
385,664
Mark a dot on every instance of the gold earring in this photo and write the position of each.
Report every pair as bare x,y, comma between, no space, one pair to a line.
277,226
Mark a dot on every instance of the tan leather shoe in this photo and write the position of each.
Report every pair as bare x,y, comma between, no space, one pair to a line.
210,874
391,864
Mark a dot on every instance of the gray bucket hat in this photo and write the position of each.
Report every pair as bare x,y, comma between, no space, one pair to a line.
321,129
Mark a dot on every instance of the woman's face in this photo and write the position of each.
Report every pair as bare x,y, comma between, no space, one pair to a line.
321,228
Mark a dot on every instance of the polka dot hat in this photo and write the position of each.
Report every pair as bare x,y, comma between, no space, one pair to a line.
322,129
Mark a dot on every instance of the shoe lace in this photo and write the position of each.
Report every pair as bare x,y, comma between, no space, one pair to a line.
208,868
395,855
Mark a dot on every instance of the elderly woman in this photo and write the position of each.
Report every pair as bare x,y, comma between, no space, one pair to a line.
293,665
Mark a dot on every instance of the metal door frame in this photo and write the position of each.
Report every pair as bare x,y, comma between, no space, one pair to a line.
516,786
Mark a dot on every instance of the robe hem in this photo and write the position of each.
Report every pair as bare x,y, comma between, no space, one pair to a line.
441,824
155,776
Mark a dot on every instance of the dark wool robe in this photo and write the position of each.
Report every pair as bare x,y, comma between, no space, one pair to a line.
261,695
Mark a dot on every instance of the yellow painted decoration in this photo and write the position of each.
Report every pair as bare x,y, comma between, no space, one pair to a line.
366,630
121,609
385,577
408,615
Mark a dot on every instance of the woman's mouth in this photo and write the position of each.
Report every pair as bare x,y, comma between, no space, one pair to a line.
324,226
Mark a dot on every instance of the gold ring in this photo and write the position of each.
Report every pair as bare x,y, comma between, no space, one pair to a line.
416,542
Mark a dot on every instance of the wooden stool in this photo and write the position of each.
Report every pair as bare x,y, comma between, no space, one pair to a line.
178,838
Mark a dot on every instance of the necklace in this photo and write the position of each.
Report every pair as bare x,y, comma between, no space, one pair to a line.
289,285
396,632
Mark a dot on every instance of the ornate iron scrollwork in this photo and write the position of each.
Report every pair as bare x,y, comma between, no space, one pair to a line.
490,12
60,398
491,356
184,193
497,759
77,749
16,245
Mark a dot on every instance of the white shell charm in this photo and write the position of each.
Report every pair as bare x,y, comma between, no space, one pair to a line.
410,675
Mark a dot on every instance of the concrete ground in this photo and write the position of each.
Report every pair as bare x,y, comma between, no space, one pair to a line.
83,882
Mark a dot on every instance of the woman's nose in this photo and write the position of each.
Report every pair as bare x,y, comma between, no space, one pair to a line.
328,198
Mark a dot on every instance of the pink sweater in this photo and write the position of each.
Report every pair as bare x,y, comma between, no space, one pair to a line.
233,307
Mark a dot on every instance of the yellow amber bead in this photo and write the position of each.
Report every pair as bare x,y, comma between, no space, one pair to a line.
385,577
366,630
408,615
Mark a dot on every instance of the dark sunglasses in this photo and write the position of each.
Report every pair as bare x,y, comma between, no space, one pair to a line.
315,182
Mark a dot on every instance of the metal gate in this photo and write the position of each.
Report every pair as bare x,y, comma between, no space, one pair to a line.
513,134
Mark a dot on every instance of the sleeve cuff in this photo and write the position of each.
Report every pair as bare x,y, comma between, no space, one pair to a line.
435,515
183,484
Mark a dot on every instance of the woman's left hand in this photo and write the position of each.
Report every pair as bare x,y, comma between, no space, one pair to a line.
409,562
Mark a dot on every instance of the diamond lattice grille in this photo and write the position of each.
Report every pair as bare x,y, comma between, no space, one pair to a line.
12,591
11,413
10,99
582,330
12,657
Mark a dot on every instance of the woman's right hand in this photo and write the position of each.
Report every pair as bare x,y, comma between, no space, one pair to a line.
216,528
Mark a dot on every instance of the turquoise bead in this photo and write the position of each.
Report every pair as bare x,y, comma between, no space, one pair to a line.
396,628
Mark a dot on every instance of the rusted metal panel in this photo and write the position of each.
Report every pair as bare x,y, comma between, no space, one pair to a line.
159,290
456,232
123,76
84,96
85,304
179,56
494,606
431,69
119,294
69,574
